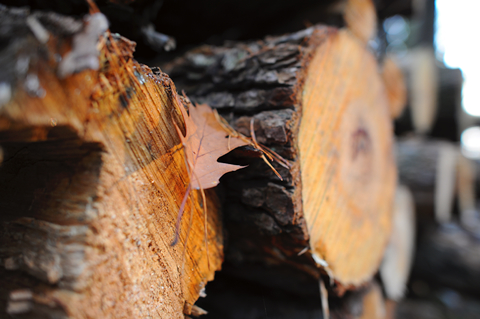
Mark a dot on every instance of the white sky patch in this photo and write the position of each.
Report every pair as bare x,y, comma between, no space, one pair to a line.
457,41
470,142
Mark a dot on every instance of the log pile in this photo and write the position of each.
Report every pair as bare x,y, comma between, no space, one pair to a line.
97,182
444,184
341,181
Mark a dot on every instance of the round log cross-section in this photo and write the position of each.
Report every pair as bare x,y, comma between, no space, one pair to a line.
345,146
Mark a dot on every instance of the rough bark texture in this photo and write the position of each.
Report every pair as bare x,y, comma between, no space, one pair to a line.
305,93
92,178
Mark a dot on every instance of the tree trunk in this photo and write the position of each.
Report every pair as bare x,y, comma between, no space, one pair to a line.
317,99
92,178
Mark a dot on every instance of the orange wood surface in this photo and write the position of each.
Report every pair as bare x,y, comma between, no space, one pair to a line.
395,86
126,267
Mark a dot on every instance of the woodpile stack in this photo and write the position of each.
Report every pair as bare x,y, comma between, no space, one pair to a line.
339,184
108,167
442,180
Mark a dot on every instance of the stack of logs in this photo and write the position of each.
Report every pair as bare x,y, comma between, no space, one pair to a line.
93,175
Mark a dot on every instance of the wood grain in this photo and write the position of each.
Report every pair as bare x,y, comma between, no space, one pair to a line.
346,160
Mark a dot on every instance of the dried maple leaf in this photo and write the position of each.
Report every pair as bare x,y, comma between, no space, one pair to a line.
206,140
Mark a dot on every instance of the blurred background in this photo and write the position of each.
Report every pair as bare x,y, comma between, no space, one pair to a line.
438,132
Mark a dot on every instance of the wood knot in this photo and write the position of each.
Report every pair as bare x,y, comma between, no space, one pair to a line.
361,142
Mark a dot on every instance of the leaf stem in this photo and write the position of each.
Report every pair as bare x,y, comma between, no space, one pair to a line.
180,214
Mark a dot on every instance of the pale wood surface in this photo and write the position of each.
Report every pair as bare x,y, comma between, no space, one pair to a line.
423,88
346,159
398,258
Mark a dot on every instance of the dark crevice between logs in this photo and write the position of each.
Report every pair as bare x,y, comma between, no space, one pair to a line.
234,296
53,179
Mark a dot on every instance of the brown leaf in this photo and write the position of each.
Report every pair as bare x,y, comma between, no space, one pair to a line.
206,140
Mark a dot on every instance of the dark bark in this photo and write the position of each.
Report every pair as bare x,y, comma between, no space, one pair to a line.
449,255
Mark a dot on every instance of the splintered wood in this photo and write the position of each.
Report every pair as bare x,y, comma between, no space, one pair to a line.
93,177
317,98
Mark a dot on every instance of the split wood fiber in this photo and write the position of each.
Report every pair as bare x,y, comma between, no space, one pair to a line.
92,179
316,97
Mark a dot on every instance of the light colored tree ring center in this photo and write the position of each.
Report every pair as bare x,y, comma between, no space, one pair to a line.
347,167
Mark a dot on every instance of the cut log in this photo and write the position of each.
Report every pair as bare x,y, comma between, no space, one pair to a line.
395,86
437,173
365,303
93,178
429,169
395,268
316,98
423,88
466,190
449,255
373,303
447,112
361,18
